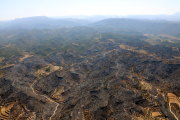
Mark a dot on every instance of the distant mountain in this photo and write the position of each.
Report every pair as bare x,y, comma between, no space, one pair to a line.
78,21
174,17
143,26
95,18
39,22
36,19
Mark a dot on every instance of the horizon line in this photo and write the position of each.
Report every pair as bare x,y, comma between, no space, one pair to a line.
88,16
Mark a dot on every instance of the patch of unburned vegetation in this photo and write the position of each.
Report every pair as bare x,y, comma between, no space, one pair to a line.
144,85
58,94
7,65
175,48
1,59
168,36
42,71
112,40
2,73
156,114
11,36
26,55
134,49
149,116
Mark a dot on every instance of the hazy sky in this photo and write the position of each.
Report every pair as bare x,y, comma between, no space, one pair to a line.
11,9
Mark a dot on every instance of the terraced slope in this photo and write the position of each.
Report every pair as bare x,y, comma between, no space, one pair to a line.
5,111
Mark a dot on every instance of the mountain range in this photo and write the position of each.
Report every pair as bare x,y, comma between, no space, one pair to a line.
43,22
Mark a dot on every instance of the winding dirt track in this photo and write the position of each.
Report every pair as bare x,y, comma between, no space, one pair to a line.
57,104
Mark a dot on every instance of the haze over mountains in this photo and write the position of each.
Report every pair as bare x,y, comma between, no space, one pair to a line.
174,17
43,22
158,24
94,18
39,22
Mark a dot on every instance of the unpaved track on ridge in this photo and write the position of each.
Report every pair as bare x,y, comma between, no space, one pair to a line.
172,112
173,99
57,104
